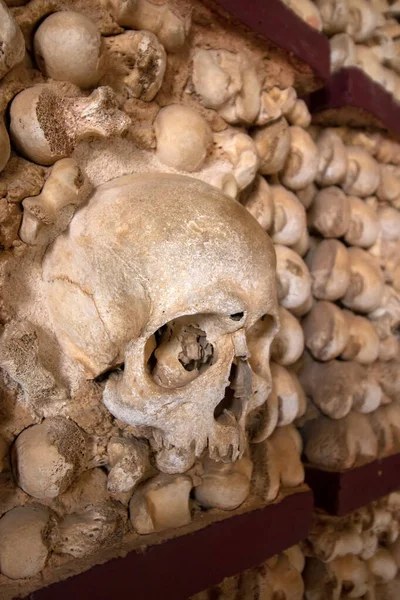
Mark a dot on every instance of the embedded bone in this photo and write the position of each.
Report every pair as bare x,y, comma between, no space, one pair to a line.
382,565
228,83
340,444
389,186
12,41
10,219
262,422
334,15
389,221
363,341
307,11
273,146
19,356
325,331
288,446
306,195
366,288
332,166
338,386
296,557
24,548
183,137
161,503
95,528
288,345
289,393
5,148
139,60
224,486
68,47
172,417
171,29
259,203
342,51
269,109
241,152
293,278
388,376
372,142
285,99
46,458
20,179
301,165
330,212
367,61
46,126
363,227
303,245
386,320
329,541
130,464
299,115
224,181
329,265
363,174
49,213
289,217
363,20
385,421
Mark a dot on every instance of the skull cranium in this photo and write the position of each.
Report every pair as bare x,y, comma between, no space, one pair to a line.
175,281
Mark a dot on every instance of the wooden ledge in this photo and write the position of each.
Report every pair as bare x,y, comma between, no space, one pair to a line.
306,49
185,565
340,492
351,98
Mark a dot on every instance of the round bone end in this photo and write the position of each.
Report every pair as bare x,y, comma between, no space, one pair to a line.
23,551
46,458
183,137
68,48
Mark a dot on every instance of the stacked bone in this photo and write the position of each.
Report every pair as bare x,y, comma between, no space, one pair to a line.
97,95
363,34
356,556
279,577
349,371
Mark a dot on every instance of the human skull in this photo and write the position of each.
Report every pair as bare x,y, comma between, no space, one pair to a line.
171,279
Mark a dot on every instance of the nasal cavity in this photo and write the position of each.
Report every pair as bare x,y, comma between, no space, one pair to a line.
237,316
229,402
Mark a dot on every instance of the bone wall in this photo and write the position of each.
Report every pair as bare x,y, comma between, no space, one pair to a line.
92,461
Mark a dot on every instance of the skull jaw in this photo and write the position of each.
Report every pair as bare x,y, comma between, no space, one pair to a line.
182,432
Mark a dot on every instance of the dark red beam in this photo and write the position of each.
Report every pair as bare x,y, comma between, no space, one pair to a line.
185,565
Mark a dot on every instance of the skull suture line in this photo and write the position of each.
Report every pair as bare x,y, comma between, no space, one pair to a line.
175,281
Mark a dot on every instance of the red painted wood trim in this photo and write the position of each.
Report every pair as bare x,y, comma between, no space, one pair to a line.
273,20
191,563
342,492
353,88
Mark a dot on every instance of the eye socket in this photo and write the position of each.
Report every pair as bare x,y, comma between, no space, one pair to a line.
181,353
237,316
105,375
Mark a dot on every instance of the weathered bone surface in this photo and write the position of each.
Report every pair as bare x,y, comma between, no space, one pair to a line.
222,310
46,126
12,41
46,458
68,47
139,306
19,356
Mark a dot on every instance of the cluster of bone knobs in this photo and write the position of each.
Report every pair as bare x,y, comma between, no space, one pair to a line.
356,556
363,34
328,199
